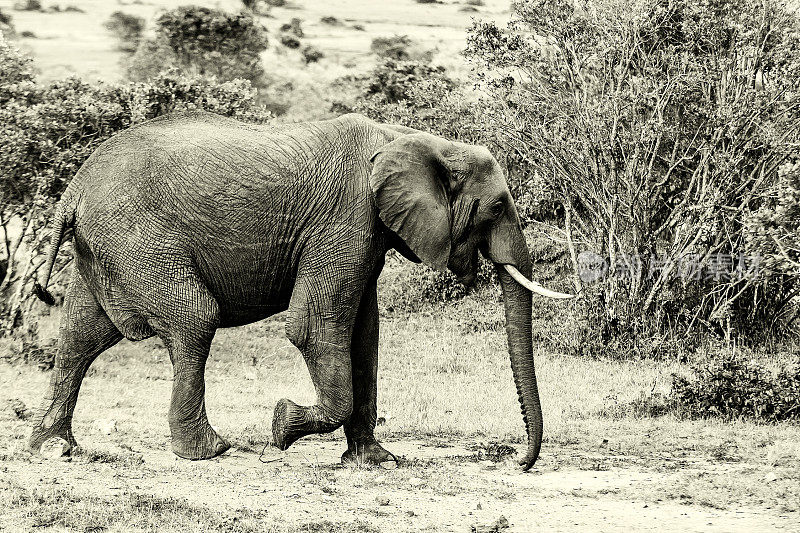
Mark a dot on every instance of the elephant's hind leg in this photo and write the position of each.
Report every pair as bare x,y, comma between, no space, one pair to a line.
187,328
85,332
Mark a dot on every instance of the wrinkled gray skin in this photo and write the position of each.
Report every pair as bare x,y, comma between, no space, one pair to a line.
193,222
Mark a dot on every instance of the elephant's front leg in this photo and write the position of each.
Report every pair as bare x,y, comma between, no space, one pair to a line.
362,447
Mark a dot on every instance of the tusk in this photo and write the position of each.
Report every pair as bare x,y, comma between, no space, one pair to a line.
533,286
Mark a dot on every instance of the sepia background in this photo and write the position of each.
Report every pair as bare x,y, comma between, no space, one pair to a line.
653,149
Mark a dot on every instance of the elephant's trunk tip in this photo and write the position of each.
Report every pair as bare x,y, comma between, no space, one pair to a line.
43,294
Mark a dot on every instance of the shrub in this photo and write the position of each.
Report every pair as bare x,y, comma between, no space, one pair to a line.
733,388
127,28
208,42
6,25
331,21
290,41
312,54
391,47
49,130
294,27
28,5
658,128
391,80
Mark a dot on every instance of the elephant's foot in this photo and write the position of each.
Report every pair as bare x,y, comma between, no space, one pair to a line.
197,445
287,423
64,440
369,452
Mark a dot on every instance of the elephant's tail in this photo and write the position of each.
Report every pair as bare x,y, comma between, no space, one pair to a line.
63,220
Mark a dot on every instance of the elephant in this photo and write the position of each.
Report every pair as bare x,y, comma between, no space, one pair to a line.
191,222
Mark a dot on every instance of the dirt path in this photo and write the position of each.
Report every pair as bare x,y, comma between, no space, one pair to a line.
438,488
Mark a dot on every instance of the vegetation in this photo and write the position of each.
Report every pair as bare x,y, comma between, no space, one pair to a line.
48,132
6,25
294,27
28,5
657,129
203,41
703,160
734,387
654,142
311,54
391,47
391,82
127,28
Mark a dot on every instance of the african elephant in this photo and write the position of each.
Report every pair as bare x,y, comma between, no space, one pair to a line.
193,222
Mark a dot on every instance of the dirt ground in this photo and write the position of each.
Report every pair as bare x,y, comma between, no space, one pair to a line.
440,488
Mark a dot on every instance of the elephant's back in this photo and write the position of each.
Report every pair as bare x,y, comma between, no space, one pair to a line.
235,201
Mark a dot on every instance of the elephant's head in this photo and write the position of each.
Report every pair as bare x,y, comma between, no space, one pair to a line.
446,201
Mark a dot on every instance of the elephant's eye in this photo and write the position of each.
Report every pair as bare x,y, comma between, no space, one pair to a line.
497,209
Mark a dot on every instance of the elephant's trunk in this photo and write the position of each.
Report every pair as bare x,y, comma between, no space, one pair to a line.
520,346
506,247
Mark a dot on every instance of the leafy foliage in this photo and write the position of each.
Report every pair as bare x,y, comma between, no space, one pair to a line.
737,388
655,135
49,130
395,47
658,127
203,41
6,24
391,80
127,28
311,54
28,5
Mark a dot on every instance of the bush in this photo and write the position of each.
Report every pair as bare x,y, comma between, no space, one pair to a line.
6,25
391,47
294,27
391,80
312,54
290,41
203,41
127,28
49,130
734,388
331,21
28,5
658,128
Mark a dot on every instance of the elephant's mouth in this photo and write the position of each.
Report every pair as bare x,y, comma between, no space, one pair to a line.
464,266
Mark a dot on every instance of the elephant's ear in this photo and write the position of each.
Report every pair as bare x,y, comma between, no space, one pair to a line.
410,182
